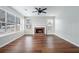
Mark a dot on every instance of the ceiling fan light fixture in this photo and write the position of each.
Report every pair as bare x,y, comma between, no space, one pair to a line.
40,10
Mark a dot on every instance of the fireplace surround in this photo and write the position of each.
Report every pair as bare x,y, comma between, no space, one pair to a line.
39,30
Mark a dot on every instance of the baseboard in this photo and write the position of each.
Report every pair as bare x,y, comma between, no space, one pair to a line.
10,41
66,39
50,34
29,34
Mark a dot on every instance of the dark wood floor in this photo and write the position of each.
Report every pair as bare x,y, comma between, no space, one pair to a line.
48,44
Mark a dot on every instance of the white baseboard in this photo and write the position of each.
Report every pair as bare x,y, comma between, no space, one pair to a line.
10,41
50,34
66,39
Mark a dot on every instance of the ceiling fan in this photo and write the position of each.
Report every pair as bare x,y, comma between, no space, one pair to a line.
40,10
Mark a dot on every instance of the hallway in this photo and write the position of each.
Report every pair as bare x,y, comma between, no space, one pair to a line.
27,44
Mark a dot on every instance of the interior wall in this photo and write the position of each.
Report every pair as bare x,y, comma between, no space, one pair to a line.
67,24
9,37
39,21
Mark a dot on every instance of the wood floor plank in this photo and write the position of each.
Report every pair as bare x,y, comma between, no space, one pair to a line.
34,44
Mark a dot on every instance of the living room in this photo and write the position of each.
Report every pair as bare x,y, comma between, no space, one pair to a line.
39,29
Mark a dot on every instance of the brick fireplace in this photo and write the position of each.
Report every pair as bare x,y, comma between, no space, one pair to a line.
39,30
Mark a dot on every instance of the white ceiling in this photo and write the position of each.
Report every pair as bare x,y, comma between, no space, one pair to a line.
27,10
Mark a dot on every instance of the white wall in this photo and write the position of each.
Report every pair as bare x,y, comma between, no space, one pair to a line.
9,37
39,21
67,24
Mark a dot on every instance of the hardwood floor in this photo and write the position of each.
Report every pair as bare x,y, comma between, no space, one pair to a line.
47,44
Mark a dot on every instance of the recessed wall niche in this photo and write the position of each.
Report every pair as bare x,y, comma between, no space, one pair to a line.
50,25
28,24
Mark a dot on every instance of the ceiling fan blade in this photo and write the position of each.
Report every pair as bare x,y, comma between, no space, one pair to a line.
44,9
36,8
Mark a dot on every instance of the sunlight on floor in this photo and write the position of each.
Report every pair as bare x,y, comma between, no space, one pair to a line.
29,43
50,42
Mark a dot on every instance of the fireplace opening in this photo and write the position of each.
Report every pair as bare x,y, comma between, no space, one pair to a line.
39,30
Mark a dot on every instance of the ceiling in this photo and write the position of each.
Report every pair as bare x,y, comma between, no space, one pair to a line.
27,10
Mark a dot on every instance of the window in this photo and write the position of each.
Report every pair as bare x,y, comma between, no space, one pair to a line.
11,22
2,22
8,22
17,24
